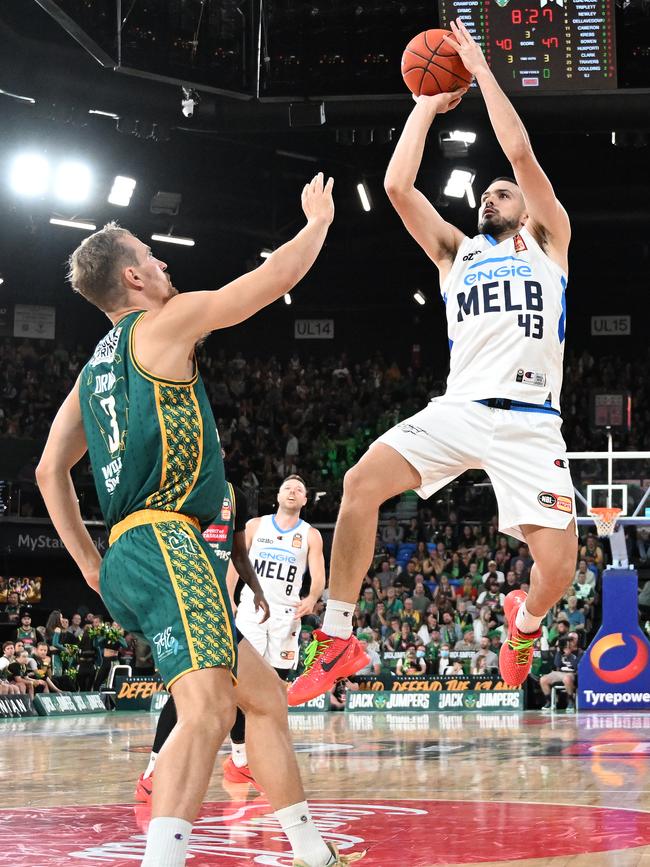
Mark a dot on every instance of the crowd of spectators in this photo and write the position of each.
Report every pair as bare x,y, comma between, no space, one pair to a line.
432,604
65,654
313,417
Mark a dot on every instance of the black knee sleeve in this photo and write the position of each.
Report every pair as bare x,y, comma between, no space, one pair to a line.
166,722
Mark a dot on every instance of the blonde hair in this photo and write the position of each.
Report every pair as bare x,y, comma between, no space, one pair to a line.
94,269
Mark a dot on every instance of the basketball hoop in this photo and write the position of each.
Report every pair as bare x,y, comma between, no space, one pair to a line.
605,519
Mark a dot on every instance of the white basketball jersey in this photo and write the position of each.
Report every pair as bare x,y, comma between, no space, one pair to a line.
506,320
279,558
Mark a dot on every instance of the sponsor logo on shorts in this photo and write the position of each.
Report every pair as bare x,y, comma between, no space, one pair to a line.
226,509
182,541
166,644
296,542
555,501
520,244
216,533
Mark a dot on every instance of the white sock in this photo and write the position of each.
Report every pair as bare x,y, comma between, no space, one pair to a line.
338,618
239,757
151,765
167,842
525,621
304,837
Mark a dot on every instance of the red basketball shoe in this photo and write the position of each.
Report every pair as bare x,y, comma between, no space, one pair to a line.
144,789
328,660
233,774
516,654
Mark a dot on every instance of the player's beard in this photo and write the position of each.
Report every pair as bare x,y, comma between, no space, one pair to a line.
496,225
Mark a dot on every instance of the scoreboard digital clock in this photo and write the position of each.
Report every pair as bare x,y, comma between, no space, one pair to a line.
542,45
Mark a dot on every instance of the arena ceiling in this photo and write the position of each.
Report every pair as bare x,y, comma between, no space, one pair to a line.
239,162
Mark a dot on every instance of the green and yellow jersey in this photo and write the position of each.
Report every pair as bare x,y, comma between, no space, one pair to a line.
152,442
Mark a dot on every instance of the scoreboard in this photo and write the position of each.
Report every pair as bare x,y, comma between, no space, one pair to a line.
542,45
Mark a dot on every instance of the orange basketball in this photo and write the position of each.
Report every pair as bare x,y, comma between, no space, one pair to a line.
430,65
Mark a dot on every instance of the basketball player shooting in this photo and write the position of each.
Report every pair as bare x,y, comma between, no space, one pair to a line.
140,409
503,291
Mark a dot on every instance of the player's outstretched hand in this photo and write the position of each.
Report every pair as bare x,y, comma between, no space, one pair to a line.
317,201
468,50
441,103
260,603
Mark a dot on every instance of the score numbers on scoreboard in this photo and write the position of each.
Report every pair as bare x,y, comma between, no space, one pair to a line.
542,45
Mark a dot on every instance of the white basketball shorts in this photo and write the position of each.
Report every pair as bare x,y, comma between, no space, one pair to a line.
276,640
522,452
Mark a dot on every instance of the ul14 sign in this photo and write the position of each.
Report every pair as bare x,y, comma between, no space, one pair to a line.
313,329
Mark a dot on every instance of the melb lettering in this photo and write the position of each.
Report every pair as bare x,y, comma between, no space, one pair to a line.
499,297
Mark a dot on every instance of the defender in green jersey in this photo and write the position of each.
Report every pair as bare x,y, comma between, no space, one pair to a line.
155,455
140,409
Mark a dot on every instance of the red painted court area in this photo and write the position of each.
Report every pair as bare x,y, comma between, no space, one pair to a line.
417,833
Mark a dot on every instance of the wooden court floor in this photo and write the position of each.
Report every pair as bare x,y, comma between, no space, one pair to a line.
417,790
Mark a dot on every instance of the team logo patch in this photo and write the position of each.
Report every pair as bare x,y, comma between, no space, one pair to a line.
226,509
520,244
216,533
555,501
560,463
296,542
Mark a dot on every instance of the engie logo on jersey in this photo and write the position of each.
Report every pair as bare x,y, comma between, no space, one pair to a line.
296,542
555,501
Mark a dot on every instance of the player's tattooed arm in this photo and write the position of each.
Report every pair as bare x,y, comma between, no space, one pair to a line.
244,568
316,564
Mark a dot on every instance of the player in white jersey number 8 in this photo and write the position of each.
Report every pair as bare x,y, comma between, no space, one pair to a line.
281,547
503,291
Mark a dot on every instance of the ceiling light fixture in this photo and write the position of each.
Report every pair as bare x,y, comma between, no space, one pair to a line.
174,239
72,182
73,224
364,196
287,298
29,175
121,191
420,297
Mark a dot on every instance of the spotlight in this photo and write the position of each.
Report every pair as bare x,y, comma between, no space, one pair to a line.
29,175
364,197
454,144
121,191
73,224
174,239
420,297
189,101
2,280
265,253
72,182
459,182
287,298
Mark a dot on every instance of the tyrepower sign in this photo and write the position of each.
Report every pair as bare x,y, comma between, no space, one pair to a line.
613,674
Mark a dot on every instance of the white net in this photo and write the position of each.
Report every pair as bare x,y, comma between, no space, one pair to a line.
605,520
